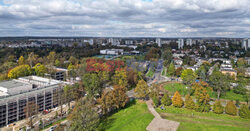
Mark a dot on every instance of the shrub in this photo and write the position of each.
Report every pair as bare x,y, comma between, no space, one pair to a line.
177,101
240,89
156,101
231,108
237,103
217,107
189,103
244,112
166,100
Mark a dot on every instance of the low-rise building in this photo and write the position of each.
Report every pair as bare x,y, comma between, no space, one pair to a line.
16,94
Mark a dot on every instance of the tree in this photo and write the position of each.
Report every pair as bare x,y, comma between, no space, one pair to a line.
19,71
21,60
73,60
219,82
40,69
142,89
51,58
120,97
120,78
217,107
188,76
231,108
239,89
31,109
83,116
106,101
171,69
69,94
178,71
244,112
166,100
57,63
153,54
32,58
241,62
155,101
167,56
202,98
202,73
177,100
189,103
92,84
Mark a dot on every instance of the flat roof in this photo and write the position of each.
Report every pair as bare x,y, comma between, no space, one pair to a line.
11,84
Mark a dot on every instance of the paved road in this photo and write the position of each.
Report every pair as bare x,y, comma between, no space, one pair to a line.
159,124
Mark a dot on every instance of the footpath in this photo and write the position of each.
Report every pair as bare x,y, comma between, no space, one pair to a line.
159,124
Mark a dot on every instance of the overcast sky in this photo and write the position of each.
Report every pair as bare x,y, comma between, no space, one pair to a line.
125,18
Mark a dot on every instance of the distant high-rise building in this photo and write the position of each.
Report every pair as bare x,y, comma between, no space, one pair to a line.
245,43
114,41
129,42
248,43
158,41
189,42
180,43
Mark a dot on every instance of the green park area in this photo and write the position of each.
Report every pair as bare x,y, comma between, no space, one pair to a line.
173,87
150,73
191,120
136,117
181,88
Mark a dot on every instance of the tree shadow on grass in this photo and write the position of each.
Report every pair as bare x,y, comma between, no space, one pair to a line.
106,122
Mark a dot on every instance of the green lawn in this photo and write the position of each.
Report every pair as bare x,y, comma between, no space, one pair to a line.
163,72
230,95
181,88
133,118
173,87
150,73
196,121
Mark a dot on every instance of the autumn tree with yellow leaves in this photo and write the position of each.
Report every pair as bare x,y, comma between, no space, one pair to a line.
176,100
202,98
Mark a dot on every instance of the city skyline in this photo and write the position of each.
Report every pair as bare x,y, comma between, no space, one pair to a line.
125,18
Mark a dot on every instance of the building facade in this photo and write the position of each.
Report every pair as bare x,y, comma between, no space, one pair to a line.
43,93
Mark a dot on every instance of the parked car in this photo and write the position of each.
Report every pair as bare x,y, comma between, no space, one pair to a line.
53,128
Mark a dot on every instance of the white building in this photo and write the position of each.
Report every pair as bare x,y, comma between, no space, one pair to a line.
129,42
245,43
90,41
180,43
189,42
111,52
114,41
158,41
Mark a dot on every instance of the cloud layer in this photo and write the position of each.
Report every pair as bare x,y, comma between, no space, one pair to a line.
149,18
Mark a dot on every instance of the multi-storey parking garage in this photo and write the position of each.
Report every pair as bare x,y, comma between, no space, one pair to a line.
16,97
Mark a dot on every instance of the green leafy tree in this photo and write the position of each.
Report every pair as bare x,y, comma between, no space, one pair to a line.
189,103
244,112
219,82
106,101
40,69
231,108
217,107
177,100
167,56
84,117
166,100
142,89
92,84
188,76
171,69
19,71
155,101
120,78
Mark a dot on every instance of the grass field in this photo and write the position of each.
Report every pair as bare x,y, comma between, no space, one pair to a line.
230,95
173,87
196,121
150,73
181,88
133,118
